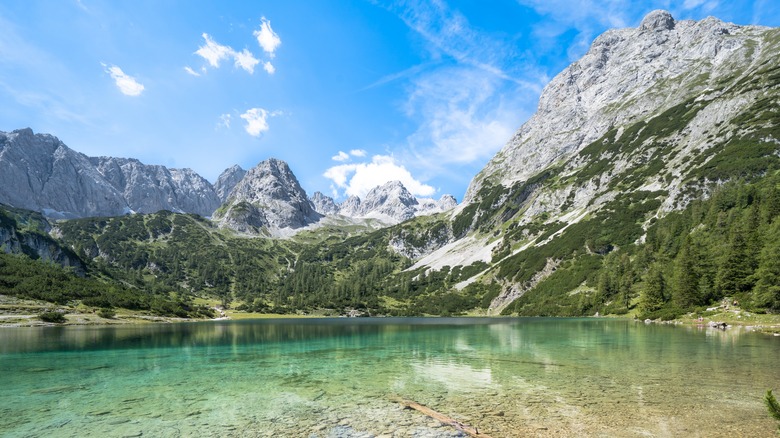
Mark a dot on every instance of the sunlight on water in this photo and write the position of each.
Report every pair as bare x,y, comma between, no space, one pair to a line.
328,378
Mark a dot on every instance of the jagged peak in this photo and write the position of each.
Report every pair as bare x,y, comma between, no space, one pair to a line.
232,169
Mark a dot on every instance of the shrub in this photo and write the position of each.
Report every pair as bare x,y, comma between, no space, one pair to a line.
53,316
107,313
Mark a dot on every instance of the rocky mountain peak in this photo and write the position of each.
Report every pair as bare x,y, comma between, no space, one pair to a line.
148,188
657,20
39,172
273,190
228,180
324,205
626,76
392,203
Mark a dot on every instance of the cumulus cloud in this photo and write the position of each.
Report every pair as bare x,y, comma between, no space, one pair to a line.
267,38
244,59
358,153
269,68
256,121
190,71
359,178
214,53
341,156
126,84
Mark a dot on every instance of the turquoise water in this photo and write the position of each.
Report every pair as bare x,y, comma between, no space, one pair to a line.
336,377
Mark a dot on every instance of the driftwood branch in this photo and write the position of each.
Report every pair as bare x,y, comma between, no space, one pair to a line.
469,430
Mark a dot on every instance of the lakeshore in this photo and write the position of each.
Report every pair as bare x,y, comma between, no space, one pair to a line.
18,312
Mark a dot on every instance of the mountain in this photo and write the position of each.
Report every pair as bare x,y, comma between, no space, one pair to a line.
389,203
227,180
149,188
268,195
38,172
650,120
324,205
695,69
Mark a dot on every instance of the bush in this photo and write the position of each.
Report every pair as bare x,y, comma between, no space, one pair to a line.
53,316
107,313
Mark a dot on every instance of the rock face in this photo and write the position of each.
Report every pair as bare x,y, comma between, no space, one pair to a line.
350,207
391,200
324,205
38,172
392,203
150,188
268,195
227,180
627,74
35,244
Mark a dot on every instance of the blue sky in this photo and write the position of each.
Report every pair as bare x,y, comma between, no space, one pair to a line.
350,93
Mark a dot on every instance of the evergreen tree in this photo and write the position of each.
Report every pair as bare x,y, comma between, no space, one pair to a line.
734,273
685,282
653,295
767,289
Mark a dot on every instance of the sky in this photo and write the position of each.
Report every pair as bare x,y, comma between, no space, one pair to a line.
350,93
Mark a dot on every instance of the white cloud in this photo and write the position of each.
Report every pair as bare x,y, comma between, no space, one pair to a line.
267,38
341,156
126,84
246,60
470,98
466,125
358,153
256,121
268,67
213,52
189,70
358,179
224,121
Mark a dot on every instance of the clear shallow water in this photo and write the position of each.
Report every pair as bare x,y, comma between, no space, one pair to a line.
328,378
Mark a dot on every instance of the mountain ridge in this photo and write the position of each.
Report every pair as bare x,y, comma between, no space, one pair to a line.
63,183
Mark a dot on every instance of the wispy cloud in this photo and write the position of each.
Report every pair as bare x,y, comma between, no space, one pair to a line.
267,38
224,121
359,178
128,85
468,95
190,71
214,53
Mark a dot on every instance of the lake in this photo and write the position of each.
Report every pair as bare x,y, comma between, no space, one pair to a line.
336,377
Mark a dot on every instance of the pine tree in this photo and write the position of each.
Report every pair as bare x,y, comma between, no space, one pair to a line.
772,405
653,294
767,289
734,272
685,282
